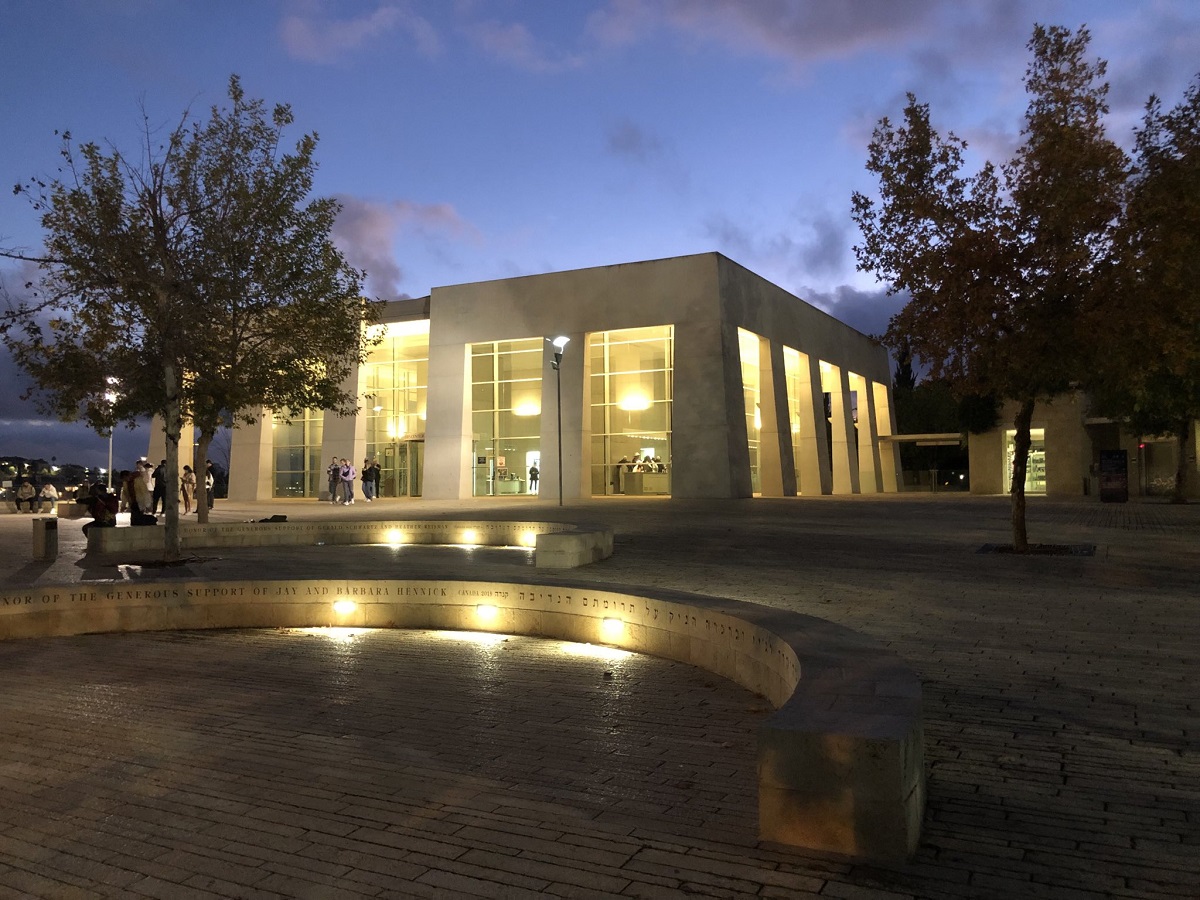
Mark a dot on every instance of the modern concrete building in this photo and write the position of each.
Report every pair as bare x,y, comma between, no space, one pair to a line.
688,377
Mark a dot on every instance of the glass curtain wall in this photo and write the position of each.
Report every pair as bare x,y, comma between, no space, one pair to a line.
748,343
394,382
795,368
506,414
631,393
297,457
1035,467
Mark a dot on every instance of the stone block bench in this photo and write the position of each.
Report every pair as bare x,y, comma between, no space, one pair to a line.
556,545
840,761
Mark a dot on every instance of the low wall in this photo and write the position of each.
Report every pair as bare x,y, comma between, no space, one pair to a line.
556,545
840,761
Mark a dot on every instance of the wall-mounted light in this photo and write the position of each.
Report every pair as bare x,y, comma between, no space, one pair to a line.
344,607
612,629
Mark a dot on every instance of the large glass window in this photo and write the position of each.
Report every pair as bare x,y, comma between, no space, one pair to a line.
394,383
748,344
796,377
506,414
631,392
297,453
1035,471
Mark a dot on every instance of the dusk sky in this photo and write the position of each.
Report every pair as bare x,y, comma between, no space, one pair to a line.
477,139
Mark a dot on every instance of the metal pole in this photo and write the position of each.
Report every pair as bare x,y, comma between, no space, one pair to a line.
558,382
110,459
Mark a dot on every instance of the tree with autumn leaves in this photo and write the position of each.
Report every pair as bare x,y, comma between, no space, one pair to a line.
1008,267
194,282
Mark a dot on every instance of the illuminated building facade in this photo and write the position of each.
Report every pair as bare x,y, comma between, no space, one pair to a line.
684,377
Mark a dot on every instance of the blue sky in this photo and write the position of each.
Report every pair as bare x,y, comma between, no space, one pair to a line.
479,139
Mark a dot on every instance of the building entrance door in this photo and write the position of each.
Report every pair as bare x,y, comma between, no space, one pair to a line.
402,465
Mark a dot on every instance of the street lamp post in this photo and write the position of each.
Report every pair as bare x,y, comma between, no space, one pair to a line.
111,396
559,344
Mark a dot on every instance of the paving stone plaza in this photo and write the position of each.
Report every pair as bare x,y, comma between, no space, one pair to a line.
1062,716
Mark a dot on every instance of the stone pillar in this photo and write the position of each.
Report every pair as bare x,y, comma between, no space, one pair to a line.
251,459
448,429
776,469
889,451
815,474
869,481
845,466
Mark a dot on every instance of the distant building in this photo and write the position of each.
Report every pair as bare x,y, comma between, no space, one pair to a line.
1068,450
688,377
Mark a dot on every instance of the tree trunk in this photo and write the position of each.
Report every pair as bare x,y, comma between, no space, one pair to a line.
200,466
1182,439
1021,442
172,422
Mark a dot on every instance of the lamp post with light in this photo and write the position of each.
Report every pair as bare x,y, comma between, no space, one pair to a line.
110,397
559,343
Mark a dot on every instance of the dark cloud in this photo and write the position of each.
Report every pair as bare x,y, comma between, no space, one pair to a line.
867,311
629,140
819,245
366,231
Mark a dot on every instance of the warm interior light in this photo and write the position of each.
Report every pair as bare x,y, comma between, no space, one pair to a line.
344,607
757,419
634,402
527,409
487,613
612,629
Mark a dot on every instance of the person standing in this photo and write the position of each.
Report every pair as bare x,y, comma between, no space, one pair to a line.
187,488
158,496
534,474
210,483
376,477
349,473
334,474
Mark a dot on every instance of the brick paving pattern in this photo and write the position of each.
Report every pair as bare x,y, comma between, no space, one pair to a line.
1062,719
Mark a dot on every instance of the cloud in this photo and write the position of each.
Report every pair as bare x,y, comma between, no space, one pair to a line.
867,311
631,141
320,40
367,231
514,44
798,31
819,245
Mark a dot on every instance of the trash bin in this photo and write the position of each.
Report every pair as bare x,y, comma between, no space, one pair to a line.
45,538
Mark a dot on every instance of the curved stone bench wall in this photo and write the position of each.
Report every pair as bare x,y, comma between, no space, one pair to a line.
557,545
840,761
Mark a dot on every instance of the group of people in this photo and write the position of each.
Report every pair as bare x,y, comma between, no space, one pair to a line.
342,474
28,493
645,464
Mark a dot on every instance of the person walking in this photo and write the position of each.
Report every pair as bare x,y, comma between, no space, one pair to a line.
187,489
349,473
210,483
334,474
368,480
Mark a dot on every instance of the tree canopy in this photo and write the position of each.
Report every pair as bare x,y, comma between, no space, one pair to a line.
195,281
1147,365
1000,264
